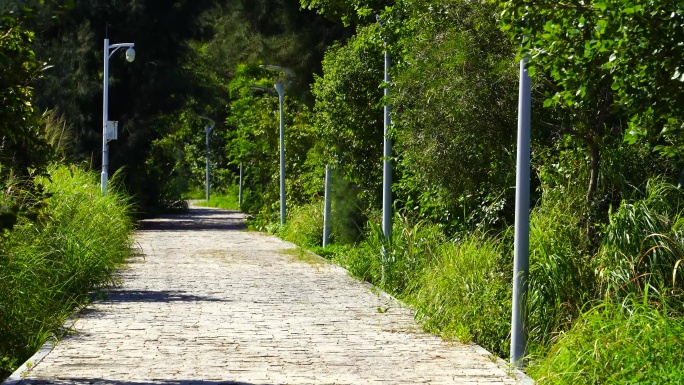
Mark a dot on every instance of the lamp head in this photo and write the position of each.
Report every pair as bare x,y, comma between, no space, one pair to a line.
130,54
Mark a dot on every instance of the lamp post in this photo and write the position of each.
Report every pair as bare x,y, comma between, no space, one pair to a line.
111,133
326,206
280,88
521,246
386,162
207,129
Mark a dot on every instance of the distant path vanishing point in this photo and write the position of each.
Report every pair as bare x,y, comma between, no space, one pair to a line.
210,303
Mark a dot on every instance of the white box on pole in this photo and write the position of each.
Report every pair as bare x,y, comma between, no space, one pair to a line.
112,129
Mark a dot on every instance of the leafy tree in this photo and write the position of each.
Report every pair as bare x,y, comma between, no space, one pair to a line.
614,62
347,11
268,31
454,110
349,112
21,129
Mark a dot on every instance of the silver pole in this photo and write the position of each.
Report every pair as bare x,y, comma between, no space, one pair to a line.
206,129
240,187
386,173
521,248
326,208
105,104
281,90
386,163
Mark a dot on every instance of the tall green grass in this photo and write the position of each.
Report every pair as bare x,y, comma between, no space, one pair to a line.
465,292
49,266
644,244
561,278
304,225
617,343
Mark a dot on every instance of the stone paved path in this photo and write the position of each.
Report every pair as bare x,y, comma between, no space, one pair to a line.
210,304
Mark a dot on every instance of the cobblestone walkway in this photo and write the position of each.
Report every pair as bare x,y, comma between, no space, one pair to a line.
209,303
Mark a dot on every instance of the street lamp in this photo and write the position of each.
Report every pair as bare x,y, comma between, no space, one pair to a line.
207,129
109,129
280,88
386,162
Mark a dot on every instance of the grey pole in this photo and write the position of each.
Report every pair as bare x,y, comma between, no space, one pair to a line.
326,208
386,167
240,188
105,102
280,87
207,130
281,90
386,162
130,56
521,248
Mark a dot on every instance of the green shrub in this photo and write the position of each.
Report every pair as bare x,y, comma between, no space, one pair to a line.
48,266
466,291
617,344
304,225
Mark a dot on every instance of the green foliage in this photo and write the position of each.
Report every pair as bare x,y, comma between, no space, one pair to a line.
347,11
348,114
49,265
619,54
453,139
227,200
561,277
20,125
617,344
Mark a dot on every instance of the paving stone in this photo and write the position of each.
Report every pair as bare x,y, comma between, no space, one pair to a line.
209,303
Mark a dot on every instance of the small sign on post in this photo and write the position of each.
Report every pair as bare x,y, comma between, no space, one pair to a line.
112,129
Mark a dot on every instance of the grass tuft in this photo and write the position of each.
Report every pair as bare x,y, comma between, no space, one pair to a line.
49,265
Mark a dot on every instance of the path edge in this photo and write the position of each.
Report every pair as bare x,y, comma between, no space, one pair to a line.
18,375
520,376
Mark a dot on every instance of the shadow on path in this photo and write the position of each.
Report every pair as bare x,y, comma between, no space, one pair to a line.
157,296
197,219
101,381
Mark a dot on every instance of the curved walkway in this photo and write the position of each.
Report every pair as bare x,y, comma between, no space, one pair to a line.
210,303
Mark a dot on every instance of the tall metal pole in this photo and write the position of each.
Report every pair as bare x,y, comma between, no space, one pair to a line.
326,208
105,116
521,248
208,131
386,162
279,87
240,187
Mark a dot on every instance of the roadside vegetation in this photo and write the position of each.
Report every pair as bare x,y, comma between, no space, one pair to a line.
64,249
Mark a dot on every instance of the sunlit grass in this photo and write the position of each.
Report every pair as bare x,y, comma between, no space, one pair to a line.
48,266
227,200
617,343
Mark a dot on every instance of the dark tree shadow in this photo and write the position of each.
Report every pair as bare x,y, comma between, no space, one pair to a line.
197,219
102,381
156,296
